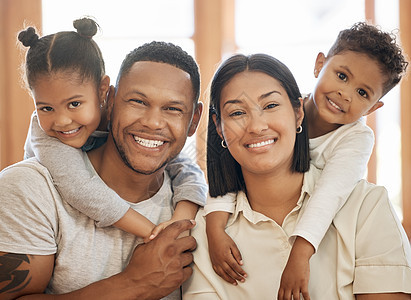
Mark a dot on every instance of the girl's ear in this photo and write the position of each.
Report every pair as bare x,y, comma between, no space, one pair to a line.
319,63
103,90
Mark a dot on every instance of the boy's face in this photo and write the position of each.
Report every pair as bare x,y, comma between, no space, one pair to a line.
152,114
349,86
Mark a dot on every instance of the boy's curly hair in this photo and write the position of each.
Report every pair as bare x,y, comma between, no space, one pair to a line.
379,45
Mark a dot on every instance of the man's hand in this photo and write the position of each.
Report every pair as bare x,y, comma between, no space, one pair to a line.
162,265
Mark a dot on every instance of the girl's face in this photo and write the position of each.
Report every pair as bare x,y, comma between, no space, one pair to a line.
258,122
68,108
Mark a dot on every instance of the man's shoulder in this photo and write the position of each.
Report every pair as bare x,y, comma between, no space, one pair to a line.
26,171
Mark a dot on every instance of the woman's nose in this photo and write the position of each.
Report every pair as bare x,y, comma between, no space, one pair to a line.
257,122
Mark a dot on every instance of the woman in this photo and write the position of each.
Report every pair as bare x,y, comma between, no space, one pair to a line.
258,149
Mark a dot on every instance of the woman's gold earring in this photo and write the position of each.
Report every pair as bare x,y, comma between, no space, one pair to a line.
223,144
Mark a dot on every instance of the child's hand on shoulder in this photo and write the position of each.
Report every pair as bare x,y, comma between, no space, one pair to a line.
226,258
296,274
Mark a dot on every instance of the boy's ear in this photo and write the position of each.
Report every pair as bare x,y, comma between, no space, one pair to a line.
374,107
103,89
196,119
319,63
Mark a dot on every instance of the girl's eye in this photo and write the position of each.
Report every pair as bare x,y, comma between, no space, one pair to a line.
342,76
46,108
74,104
362,93
271,105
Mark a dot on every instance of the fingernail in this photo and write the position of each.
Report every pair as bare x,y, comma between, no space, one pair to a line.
193,222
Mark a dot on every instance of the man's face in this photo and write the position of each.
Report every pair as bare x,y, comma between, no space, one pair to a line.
152,114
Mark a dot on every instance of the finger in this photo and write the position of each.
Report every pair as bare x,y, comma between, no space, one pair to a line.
237,255
231,272
174,229
280,295
186,258
240,273
296,294
187,272
155,232
187,243
220,271
306,295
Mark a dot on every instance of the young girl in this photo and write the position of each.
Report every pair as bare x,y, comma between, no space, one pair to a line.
361,67
70,63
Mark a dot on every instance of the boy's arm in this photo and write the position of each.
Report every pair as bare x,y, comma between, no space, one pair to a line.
342,171
187,180
78,186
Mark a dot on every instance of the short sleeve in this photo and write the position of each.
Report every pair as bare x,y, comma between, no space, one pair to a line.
28,214
382,248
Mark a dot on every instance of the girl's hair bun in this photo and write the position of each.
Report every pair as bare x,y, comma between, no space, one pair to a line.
28,37
86,27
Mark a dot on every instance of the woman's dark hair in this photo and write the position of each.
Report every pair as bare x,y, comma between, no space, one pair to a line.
164,53
378,45
63,51
223,171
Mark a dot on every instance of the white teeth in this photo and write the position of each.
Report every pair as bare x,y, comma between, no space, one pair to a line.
148,143
335,105
71,131
260,144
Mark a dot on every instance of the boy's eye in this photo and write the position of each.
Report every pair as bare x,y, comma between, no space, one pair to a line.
74,104
342,76
362,93
46,108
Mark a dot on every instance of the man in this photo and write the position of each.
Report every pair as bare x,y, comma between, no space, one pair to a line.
49,246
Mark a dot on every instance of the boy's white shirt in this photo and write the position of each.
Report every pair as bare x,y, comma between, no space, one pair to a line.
342,155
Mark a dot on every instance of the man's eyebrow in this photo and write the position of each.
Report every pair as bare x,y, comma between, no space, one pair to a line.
347,69
135,92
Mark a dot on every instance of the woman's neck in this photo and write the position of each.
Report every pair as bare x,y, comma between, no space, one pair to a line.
274,195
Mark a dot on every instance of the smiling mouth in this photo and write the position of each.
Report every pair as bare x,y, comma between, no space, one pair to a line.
261,144
335,105
148,143
70,131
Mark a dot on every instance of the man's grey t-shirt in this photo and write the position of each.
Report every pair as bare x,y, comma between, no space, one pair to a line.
35,220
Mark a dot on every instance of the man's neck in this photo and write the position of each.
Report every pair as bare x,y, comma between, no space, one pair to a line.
128,184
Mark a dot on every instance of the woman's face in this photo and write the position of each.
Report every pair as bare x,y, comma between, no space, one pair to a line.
258,122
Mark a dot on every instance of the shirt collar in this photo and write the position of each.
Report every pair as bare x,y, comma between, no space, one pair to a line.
243,206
